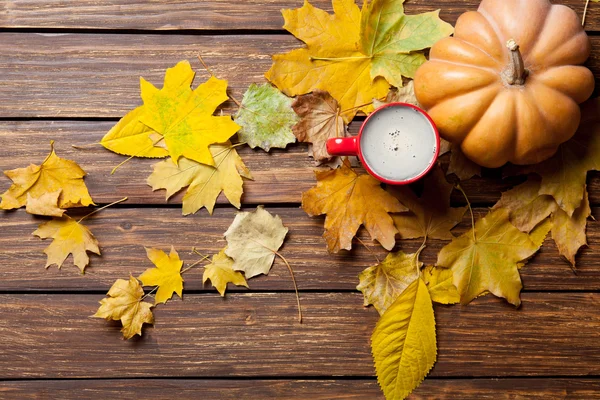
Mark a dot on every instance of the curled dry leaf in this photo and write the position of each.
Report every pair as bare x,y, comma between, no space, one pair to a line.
176,115
204,182
383,283
431,215
404,342
349,200
166,275
53,174
352,53
486,258
266,118
321,121
404,94
69,237
440,284
568,232
253,239
461,166
220,272
45,205
125,303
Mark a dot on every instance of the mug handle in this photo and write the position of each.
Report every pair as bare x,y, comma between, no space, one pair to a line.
347,146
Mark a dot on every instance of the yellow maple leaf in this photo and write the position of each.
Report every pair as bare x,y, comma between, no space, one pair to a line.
125,303
404,342
383,283
53,174
166,275
70,237
431,215
220,272
351,53
204,182
486,258
175,116
350,200
46,204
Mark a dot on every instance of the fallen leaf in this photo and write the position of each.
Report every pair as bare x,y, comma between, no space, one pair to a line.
349,200
321,121
564,175
253,239
440,284
266,118
404,94
431,215
204,182
461,166
125,303
485,258
568,232
166,275
383,283
70,237
176,115
53,174
526,207
220,272
46,204
404,342
350,54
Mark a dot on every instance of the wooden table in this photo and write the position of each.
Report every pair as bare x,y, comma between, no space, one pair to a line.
69,69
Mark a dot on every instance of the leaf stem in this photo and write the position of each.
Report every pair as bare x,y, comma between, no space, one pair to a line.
204,65
587,3
470,209
294,281
194,264
85,146
149,293
101,208
368,249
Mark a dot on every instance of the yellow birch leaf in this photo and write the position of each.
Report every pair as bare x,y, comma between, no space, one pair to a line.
350,200
220,272
166,275
125,304
486,258
69,237
204,182
440,285
404,342
431,215
253,238
53,174
569,232
383,283
46,204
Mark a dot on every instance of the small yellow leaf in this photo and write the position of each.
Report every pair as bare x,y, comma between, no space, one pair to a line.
440,285
166,275
70,237
204,182
220,272
46,204
125,303
53,174
404,342
569,232
349,200
383,283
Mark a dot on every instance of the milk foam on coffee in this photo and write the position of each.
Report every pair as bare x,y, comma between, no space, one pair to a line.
398,143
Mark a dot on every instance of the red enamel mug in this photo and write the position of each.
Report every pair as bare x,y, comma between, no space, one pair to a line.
398,144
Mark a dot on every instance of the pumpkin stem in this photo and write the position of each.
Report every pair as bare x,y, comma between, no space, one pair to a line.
515,73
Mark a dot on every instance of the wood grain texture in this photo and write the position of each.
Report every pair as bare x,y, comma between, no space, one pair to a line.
258,335
199,15
96,76
356,389
123,233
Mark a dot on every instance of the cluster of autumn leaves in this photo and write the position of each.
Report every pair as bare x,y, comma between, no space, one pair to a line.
350,60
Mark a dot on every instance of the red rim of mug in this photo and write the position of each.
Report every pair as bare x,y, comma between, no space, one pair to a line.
415,178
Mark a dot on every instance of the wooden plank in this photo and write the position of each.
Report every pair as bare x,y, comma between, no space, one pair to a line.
223,389
280,176
96,76
123,233
199,15
258,335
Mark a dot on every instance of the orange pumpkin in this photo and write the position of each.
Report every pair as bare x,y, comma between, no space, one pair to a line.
507,86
